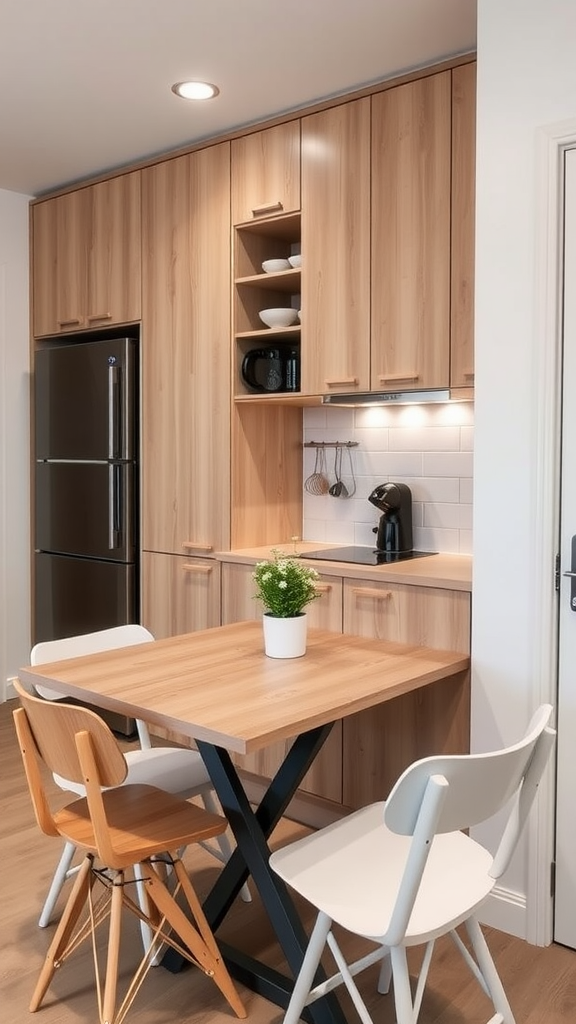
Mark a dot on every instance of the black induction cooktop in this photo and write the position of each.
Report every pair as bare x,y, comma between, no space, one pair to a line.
365,555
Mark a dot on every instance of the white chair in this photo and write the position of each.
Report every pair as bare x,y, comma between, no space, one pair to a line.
174,769
401,872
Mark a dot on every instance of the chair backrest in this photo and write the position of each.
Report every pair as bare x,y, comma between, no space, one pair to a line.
91,643
455,792
56,733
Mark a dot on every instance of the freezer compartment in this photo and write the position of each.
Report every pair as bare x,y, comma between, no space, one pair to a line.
86,509
80,595
85,400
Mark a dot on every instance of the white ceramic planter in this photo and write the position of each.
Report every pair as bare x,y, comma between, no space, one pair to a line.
284,638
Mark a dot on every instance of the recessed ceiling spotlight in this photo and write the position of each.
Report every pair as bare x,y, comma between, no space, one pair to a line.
195,90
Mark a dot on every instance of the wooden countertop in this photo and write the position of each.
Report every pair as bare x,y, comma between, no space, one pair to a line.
218,685
445,571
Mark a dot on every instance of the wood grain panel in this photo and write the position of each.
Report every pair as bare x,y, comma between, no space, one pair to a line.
266,172
185,352
336,249
463,225
266,474
179,594
378,745
114,251
411,142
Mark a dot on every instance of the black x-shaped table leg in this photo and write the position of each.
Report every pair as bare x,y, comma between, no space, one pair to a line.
252,829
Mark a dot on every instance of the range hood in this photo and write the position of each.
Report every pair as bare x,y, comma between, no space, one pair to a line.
392,397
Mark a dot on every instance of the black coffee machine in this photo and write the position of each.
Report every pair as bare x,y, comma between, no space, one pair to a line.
394,531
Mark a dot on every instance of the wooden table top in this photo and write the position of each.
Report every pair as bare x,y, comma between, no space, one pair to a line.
218,685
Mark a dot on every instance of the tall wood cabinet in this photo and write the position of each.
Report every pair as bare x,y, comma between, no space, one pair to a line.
463,225
410,266
186,374
336,249
86,257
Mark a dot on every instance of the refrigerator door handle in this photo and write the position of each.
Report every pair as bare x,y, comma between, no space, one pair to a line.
114,413
114,508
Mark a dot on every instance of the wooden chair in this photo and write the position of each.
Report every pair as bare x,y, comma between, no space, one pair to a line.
177,770
121,829
402,872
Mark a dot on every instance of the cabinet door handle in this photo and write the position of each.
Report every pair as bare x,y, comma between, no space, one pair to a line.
323,588
69,323
391,378
266,208
99,316
192,545
200,570
380,595
336,382
468,374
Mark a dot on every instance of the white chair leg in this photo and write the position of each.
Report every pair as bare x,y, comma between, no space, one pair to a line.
63,871
489,972
305,979
223,841
401,983
385,976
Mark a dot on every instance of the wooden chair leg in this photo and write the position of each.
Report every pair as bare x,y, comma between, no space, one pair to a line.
197,934
76,901
111,982
64,870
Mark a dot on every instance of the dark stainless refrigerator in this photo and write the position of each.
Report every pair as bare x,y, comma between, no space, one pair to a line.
86,487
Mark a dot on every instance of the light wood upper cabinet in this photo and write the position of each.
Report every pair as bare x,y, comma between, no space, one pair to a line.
336,249
186,354
266,173
86,257
411,147
463,224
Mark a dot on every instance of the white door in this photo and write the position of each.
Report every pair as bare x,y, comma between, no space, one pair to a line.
565,898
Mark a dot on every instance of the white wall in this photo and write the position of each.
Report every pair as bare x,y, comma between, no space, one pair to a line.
14,437
428,447
526,80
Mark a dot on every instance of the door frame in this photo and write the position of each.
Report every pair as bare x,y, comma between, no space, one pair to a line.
551,143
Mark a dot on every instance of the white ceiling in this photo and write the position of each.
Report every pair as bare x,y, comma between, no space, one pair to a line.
85,84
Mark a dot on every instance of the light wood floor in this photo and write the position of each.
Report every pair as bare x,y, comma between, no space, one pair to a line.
541,983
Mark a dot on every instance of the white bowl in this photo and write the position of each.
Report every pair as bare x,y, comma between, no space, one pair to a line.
273,266
295,261
300,315
282,317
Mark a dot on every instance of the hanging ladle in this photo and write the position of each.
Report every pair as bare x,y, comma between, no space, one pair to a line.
338,488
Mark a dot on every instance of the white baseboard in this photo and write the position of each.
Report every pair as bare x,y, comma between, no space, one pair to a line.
9,691
506,911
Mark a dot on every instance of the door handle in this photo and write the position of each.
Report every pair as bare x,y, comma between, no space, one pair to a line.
571,574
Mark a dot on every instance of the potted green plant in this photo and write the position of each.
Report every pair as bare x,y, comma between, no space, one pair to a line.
285,586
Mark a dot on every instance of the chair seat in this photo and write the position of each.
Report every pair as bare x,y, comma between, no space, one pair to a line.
133,812
174,769
351,871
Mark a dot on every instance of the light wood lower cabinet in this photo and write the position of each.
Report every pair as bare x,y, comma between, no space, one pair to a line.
325,777
379,744
179,594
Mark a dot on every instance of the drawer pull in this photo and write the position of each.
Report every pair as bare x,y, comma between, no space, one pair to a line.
266,208
322,588
334,382
201,570
192,545
380,595
468,374
69,323
99,316
394,377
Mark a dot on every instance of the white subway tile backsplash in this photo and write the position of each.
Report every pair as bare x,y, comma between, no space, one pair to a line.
430,448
